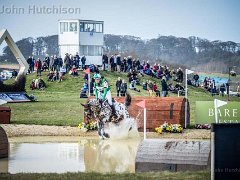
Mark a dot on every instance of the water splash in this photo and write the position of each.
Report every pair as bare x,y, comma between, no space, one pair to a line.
127,128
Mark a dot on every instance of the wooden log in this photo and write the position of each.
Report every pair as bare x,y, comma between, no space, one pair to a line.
4,145
162,155
159,110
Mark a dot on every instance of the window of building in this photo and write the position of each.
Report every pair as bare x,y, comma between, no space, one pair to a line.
72,26
97,51
86,28
90,50
96,27
82,27
83,50
101,28
63,27
91,27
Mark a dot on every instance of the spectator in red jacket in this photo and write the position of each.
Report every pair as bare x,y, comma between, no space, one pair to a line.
39,66
155,89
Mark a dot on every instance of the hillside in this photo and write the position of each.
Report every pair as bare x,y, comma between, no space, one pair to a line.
59,103
193,52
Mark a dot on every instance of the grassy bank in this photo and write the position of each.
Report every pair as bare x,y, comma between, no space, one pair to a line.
159,175
59,103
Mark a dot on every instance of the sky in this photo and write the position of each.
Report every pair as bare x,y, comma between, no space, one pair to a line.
209,19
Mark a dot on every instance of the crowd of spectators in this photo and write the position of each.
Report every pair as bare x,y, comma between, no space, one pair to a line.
70,64
208,84
134,68
57,66
53,76
121,87
54,63
127,64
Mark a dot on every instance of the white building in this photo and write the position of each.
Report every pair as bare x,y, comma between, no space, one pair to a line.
82,36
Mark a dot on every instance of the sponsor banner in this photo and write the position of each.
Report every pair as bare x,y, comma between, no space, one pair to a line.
205,114
14,97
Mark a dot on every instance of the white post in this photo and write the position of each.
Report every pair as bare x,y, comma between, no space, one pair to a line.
89,82
186,98
5,36
144,123
215,108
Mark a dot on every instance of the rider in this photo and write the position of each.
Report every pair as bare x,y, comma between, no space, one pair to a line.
102,91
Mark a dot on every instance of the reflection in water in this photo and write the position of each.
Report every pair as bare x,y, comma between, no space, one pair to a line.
3,165
110,156
68,151
86,155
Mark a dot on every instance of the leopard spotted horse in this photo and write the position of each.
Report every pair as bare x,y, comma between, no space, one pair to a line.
102,113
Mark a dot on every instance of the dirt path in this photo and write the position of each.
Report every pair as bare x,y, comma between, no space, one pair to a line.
14,130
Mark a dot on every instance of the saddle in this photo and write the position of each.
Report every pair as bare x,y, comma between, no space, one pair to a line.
113,117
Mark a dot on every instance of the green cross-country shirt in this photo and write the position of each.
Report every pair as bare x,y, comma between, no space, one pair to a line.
102,87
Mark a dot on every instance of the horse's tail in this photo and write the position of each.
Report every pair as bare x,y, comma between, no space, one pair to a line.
128,99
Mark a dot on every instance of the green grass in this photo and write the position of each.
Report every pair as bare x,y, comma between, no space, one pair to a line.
158,175
59,103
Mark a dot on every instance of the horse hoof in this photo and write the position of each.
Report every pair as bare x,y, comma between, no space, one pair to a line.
105,136
130,129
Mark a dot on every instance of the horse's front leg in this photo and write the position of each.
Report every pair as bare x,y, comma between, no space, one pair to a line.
101,131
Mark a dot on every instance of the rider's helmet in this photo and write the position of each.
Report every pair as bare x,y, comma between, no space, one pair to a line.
97,76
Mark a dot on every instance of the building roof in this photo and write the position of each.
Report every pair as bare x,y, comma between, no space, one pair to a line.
81,20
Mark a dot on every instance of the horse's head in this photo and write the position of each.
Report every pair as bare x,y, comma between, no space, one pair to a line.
88,113
91,109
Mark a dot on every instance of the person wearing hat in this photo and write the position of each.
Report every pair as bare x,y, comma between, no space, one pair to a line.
102,91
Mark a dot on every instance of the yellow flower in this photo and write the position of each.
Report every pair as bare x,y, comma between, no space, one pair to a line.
158,130
80,126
